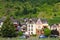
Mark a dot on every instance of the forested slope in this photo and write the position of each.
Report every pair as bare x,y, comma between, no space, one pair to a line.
30,8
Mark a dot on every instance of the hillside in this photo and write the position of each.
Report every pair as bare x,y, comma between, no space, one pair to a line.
49,9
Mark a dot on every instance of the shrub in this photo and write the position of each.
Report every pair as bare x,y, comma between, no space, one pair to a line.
20,33
54,32
47,32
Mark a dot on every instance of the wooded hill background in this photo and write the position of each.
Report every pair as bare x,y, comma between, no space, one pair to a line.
49,9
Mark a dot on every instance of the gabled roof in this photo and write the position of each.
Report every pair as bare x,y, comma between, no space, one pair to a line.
44,21
41,21
54,25
32,20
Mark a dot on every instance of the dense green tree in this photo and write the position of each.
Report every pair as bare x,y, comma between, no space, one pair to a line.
25,11
8,29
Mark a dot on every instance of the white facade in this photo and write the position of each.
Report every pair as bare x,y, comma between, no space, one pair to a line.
1,24
31,29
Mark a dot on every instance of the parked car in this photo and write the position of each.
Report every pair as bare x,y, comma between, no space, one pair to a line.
22,37
42,36
54,36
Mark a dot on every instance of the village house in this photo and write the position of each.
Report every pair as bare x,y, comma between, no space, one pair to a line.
31,27
58,28
40,24
23,28
38,27
23,25
34,25
53,27
16,23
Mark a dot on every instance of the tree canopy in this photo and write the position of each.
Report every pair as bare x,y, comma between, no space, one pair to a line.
8,29
30,8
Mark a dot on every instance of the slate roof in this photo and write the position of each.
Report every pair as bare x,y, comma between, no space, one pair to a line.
44,21
54,25
32,20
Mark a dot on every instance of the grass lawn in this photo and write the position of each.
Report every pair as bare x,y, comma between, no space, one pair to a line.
36,38
32,38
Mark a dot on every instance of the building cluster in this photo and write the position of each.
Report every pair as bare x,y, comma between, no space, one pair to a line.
31,26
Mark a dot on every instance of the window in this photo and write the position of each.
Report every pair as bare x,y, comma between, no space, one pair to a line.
31,29
38,31
31,32
31,25
45,26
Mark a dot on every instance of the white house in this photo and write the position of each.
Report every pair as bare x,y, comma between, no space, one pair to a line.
31,27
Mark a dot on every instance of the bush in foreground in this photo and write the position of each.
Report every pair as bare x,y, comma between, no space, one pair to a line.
47,32
20,33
